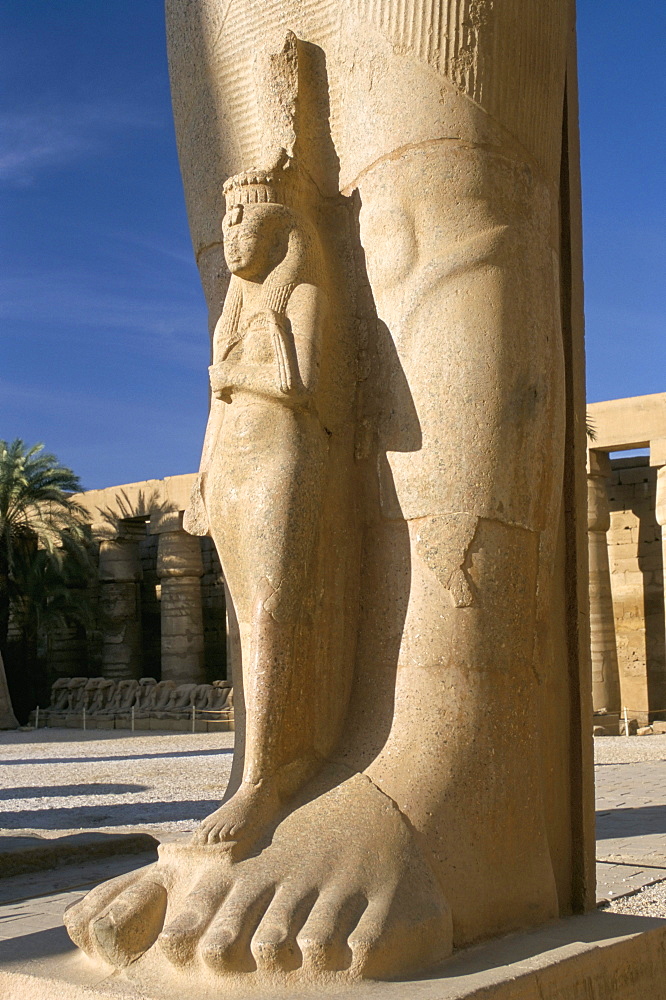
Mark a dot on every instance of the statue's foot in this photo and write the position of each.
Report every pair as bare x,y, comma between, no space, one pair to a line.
342,891
243,818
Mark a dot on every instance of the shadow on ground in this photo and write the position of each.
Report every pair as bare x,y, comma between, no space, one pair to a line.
639,821
40,944
120,814
67,791
110,758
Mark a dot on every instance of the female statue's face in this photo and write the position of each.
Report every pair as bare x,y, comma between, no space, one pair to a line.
255,239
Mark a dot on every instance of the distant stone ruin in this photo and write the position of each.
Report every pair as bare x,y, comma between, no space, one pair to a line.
159,594
101,703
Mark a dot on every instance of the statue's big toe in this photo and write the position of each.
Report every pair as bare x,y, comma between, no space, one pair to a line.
130,925
79,917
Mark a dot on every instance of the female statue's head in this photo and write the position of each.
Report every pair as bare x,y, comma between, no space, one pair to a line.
262,233
256,239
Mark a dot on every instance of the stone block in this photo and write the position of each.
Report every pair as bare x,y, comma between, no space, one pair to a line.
601,955
21,855
631,726
608,721
623,519
56,719
642,474
658,451
169,725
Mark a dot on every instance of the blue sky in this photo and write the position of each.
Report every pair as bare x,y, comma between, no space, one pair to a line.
104,344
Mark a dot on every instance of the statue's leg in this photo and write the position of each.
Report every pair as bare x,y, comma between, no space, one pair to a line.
276,528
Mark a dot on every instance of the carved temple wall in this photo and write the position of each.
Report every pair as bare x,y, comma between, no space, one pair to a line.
628,634
159,592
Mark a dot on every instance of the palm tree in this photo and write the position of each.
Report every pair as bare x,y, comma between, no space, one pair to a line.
41,530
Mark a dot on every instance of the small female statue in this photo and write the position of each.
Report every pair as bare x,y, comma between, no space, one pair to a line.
260,489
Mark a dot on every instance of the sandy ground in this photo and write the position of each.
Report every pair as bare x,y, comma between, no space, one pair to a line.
57,781
629,749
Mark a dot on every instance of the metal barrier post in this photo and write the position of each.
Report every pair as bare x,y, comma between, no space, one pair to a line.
84,716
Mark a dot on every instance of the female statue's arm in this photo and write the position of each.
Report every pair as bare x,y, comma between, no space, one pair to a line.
292,376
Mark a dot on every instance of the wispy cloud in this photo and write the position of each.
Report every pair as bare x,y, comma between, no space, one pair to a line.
160,319
35,139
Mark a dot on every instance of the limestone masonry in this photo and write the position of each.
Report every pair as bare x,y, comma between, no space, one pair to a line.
627,514
384,204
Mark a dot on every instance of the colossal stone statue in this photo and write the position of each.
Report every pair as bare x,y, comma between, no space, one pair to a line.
394,379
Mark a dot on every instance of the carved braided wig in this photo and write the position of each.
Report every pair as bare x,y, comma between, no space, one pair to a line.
301,264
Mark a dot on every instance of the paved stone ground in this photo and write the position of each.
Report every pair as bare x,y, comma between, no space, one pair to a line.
57,781
631,821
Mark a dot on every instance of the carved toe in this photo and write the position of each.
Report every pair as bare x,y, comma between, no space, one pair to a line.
274,944
226,945
131,924
78,916
323,938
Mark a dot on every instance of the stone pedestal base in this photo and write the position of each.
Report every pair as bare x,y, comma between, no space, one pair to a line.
601,956
609,721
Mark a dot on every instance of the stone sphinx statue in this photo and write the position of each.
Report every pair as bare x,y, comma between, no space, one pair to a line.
123,697
59,694
154,697
144,695
393,379
76,694
178,703
222,697
99,691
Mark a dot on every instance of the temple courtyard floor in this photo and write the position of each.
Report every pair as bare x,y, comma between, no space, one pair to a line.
59,782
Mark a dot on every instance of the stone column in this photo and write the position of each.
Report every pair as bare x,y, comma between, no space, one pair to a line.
120,599
658,458
605,673
179,568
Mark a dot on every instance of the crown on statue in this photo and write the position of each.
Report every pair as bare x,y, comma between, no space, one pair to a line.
255,187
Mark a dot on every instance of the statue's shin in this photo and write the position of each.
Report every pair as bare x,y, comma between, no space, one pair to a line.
469,405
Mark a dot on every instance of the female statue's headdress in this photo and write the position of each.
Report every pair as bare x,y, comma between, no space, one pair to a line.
283,188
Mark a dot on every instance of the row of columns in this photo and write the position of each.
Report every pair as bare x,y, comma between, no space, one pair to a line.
605,672
606,695
179,571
